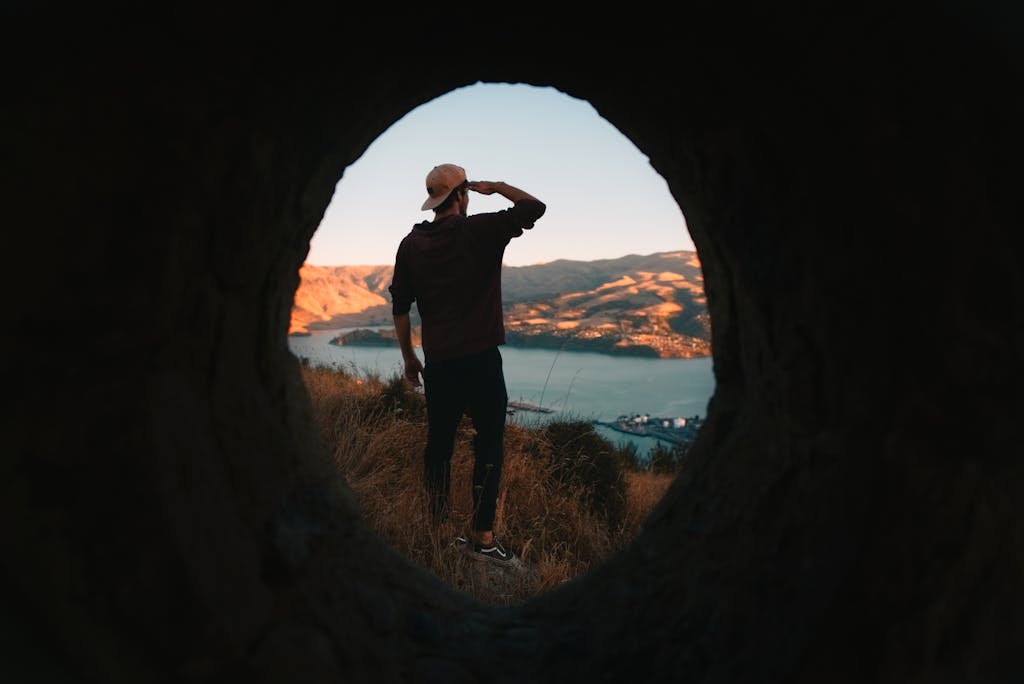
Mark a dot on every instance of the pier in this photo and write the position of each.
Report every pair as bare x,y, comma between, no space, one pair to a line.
524,406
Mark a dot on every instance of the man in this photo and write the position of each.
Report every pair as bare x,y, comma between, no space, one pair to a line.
451,268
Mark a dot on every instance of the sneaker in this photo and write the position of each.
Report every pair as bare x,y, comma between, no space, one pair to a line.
460,542
494,552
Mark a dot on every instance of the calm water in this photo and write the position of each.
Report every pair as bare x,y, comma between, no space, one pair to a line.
579,385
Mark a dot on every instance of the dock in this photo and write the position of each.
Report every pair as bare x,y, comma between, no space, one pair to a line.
524,406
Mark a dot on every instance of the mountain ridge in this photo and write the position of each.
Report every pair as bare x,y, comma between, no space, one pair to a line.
638,304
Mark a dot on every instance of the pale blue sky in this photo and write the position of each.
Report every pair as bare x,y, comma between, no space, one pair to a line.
604,200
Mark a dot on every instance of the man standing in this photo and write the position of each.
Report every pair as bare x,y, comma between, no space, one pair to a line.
451,268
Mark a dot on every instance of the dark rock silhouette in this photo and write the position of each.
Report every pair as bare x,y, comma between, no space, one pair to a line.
851,511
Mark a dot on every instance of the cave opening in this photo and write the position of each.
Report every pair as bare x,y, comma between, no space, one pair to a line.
605,295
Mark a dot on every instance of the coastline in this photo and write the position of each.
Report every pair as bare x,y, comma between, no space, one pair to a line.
641,346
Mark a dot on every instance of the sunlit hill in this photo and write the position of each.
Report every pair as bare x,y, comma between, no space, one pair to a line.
644,305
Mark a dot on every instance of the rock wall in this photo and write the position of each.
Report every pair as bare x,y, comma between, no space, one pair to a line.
853,511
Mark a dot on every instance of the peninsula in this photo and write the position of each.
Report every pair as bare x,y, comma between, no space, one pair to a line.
675,430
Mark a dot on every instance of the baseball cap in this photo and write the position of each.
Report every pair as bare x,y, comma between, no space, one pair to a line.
440,182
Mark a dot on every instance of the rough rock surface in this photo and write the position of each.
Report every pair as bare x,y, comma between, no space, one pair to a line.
853,511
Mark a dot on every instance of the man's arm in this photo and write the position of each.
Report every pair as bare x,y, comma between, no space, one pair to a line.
509,192
403,330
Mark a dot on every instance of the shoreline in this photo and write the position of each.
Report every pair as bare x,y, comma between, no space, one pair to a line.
385,337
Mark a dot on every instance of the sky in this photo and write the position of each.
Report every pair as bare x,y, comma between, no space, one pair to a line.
604,200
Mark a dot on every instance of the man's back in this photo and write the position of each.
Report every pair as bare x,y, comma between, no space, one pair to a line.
451,268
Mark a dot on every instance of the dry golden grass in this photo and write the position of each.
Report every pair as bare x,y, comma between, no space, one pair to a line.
645,490
568,498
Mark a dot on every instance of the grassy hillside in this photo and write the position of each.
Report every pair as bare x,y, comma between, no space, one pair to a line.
569,497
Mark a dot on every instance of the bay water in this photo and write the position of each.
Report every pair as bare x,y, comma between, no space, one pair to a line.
577,385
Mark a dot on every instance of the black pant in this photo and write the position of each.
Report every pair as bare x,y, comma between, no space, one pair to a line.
472,385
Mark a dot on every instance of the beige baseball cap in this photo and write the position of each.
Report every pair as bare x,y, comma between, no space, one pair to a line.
440,182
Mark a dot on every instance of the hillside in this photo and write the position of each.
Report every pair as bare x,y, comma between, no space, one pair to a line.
651,305
340,296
